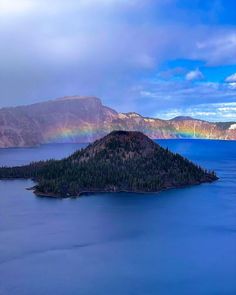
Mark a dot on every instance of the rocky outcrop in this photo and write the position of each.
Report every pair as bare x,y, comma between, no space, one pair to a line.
85,119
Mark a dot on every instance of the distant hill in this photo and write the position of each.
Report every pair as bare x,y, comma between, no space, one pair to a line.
183,118
85,119
121,161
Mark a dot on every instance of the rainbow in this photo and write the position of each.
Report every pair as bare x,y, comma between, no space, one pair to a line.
182,131
189,133
72,133
193,132
90,132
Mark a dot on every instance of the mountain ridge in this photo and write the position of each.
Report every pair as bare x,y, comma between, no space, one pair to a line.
85,119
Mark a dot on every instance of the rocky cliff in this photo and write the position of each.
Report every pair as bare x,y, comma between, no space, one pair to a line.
85,119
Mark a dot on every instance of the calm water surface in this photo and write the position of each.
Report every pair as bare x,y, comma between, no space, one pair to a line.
175,242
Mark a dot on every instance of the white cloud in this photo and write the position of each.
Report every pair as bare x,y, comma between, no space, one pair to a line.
181,96
231,79
232,85
211,111
194,75
10,8
218,47
104,47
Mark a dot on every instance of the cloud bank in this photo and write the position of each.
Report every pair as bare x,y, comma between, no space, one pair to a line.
114,49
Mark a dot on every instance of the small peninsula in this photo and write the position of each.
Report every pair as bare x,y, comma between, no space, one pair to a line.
122,161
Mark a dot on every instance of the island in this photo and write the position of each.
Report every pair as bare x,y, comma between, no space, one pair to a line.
122,161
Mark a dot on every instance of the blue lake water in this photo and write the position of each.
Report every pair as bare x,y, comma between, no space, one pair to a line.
179,241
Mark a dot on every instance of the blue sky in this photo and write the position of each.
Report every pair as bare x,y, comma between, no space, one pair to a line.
160,58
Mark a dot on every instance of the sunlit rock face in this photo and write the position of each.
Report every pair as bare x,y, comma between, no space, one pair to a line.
180,127
84,119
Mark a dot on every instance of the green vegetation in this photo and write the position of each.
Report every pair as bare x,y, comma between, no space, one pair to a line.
121,161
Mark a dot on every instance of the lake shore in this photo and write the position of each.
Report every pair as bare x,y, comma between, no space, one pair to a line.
99,191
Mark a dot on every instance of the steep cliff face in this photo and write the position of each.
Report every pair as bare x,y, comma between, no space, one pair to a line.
180,127
63,120
85,119
192,128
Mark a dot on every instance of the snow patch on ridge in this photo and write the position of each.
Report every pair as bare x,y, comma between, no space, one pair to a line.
232,127
149,120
